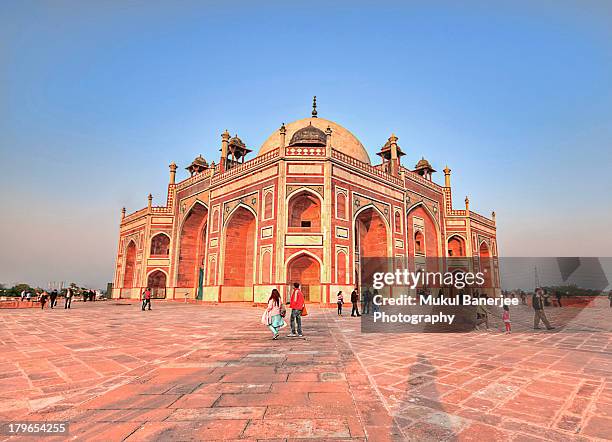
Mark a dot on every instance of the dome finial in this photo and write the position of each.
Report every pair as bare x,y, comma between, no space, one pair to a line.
314,107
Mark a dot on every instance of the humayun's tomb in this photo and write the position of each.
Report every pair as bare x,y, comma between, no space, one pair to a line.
310,207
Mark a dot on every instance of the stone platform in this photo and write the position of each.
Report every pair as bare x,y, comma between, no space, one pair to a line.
200,372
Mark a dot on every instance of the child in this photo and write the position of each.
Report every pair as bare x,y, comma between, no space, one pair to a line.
506,318
340,302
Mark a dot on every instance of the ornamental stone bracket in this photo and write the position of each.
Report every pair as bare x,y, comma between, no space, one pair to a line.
249,200
314,188
360,201
412,198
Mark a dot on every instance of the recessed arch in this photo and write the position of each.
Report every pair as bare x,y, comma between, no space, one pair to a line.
157,280
304,209
239,233
372,244
422,227
427,209
130,265
456,246
192,245
342,267
486,267
305,268
160,244
419,243
341,204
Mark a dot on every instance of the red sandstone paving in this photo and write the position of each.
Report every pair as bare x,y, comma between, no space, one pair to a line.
192,372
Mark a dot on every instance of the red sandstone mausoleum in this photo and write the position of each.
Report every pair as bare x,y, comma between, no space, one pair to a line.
309,207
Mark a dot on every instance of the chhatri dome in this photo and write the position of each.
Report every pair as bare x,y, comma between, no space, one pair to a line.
312,131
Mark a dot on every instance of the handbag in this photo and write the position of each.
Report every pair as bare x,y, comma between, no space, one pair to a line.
265,318
283,310
304,311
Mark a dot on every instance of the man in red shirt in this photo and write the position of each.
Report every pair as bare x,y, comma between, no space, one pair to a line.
296,303
146,299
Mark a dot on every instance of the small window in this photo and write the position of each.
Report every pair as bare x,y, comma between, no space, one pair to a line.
305,224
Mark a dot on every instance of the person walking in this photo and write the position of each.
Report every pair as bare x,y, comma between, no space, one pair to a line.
482,316
538,306
296,304
53,298
23,295
273,316
68,298
28,296
558,296
355,302
365,302
340,302
506,319
43,299
146,299
375,306
610,298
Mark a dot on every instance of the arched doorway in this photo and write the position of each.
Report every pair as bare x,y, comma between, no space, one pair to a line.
371,246
157,283
306,270
130,264
192,246
238,265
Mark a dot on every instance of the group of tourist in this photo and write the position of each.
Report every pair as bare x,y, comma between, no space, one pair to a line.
44,297
537,303
366,302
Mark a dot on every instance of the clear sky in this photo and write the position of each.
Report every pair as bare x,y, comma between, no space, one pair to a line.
97,98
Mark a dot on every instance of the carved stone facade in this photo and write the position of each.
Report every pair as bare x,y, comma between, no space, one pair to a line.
310,210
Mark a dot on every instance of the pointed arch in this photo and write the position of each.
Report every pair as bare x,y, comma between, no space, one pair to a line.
160,244
192,244
304,208
486,264
304,268
456,246
157,280
239,233
372,243
423,230
129,276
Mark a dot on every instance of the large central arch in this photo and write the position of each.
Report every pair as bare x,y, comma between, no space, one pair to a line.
306,270
192,246
424,240
239,254
371,245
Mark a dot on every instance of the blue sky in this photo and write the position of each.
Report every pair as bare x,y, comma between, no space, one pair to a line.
96,98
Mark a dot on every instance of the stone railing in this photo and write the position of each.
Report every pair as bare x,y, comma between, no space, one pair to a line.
245,167
482,219
410,175
365,167
135,215
305,151
194,179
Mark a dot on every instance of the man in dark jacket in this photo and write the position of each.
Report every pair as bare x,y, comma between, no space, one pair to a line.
538,306
355,302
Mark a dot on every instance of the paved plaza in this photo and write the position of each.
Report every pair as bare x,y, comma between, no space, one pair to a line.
208,372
